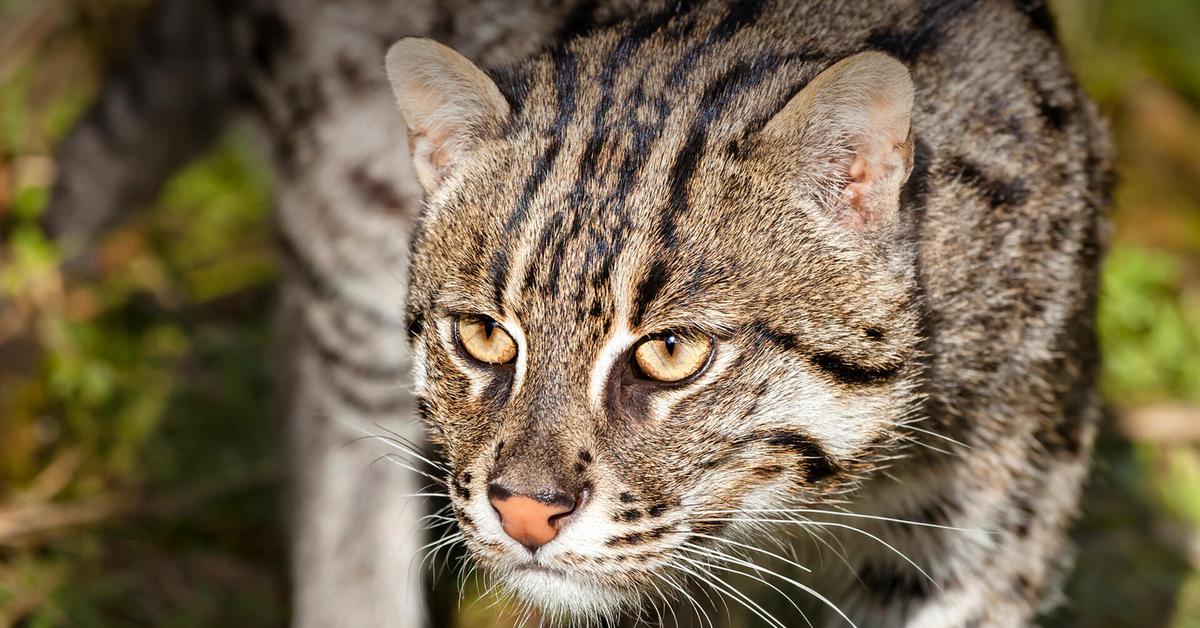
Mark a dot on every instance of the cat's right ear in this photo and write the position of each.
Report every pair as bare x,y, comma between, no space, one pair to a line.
850,128
448,103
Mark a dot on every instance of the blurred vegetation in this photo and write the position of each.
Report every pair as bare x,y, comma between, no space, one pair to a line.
138,471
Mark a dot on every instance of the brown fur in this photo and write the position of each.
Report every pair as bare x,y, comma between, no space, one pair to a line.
920,351
669,187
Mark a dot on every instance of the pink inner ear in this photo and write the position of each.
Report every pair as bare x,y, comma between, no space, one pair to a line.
864,175
432,145
856,191
874,166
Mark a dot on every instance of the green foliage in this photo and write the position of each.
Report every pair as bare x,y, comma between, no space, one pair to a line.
1150,327
1112,42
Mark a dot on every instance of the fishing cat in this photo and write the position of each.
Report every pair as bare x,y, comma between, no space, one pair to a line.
689,276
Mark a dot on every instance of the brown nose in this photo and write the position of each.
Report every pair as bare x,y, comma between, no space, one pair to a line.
532,521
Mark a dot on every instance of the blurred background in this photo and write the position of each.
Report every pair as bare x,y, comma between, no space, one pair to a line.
139,474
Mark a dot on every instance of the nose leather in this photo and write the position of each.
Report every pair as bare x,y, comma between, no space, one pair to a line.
528,521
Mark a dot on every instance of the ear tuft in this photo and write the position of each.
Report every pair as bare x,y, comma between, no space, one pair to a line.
448,103
854,120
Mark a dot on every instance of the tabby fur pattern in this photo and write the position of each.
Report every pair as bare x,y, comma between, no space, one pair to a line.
904,362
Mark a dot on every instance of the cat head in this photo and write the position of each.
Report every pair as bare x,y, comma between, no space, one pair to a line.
650,299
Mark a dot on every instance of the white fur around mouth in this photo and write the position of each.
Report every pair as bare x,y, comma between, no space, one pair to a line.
562,595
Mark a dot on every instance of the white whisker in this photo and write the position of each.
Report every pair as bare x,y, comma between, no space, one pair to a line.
914,428
729,591
402,463
832,524
754,549
837,513
801,586
725,557
700,612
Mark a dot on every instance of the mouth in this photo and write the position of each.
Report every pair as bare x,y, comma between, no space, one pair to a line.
543,569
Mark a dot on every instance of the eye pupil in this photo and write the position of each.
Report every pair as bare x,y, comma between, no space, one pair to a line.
671,357
484,339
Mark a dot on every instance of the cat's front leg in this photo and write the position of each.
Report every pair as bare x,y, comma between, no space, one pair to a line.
356,524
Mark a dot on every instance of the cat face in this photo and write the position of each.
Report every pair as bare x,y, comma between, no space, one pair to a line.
641,312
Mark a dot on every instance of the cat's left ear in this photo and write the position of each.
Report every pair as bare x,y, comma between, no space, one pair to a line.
449,104
849,129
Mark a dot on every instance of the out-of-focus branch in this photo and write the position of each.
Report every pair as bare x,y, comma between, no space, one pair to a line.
1167,423
24,524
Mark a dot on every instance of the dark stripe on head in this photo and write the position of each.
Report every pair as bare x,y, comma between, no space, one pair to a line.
532,185
560,249
908,45
839,367
787,342
499,272
620,58
851,373
818,463
681,175
602,254
513,82
549,230
649,290
566,83
741,14
643,29
717,96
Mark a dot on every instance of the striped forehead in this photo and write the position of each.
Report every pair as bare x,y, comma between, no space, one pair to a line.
610,164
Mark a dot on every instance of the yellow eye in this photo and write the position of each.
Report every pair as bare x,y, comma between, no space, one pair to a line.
485,340
672,357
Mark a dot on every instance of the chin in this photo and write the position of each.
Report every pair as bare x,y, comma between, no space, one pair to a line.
566,598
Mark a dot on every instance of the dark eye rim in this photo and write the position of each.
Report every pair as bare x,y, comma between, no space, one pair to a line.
641,375
462,348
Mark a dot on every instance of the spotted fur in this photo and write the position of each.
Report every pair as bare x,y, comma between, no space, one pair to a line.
632,187
933,365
